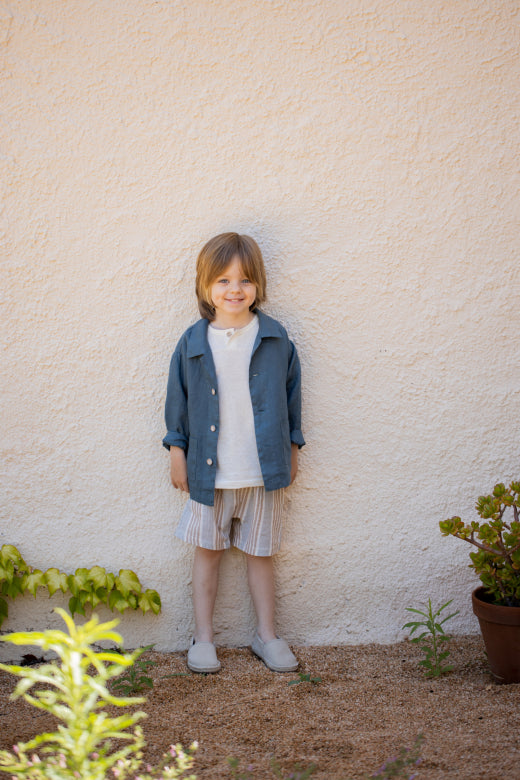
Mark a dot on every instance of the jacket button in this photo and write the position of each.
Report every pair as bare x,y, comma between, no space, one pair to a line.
209,462
212,428
213,391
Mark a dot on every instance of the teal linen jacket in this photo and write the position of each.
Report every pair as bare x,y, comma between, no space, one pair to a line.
192,407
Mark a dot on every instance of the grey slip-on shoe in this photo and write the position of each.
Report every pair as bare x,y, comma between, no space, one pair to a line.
276,654
202,657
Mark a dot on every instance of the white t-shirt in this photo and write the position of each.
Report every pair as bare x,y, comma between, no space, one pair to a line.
237,455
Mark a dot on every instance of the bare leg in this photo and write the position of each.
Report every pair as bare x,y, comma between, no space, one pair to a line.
206,565
260,576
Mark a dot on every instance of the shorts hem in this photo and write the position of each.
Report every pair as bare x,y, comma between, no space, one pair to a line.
195,543
249,519
257,554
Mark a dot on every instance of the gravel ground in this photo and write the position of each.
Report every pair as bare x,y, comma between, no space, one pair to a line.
372,700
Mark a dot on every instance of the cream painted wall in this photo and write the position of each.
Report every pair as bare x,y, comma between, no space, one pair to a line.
372,150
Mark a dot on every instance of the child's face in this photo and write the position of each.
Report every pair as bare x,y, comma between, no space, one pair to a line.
232,295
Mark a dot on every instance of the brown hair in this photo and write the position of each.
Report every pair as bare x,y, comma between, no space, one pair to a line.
214,258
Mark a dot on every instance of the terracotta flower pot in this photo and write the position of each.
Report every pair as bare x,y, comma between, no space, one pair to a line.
500,627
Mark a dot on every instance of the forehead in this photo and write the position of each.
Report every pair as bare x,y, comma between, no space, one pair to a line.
234,266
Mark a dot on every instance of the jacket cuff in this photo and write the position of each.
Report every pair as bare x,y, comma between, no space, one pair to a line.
297,438
174,439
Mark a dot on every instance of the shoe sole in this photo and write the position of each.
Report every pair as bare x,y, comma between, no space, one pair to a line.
205,670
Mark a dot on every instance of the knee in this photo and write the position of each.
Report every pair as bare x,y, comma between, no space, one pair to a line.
257,561
209,556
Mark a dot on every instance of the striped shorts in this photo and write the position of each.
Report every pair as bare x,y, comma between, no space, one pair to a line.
248,518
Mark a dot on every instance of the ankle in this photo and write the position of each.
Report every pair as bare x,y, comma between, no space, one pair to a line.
203,636
266,634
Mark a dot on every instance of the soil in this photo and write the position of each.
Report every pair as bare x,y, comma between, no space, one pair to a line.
371,701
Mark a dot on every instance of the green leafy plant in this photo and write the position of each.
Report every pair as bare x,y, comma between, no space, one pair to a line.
303,678
497,558
135,679
399,766
432,638
82,747
88,587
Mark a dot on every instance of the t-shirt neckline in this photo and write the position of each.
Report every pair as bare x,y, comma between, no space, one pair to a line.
231,331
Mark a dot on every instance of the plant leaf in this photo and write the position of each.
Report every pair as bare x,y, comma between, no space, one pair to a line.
3,610
55,580
33,581
116,600
127,582
98,576
8,552
75,605
150,600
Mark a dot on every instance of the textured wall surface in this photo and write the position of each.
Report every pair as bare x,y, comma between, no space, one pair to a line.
372,150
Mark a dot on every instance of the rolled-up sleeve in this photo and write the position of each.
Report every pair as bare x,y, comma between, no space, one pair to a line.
294,402
176,409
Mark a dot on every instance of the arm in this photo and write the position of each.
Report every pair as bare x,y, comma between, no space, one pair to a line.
294,404
176,415
176,408
178,469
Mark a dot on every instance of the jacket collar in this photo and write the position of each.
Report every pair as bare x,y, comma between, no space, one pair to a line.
198,338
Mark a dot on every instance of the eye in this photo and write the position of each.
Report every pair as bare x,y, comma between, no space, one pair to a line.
222,281
246,281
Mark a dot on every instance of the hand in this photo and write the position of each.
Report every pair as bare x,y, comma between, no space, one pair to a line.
294,462
179,469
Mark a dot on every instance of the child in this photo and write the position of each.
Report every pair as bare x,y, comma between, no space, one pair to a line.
233,421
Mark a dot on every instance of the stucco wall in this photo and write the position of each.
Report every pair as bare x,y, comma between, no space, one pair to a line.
372,150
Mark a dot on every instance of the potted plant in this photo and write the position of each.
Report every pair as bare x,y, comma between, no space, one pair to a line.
496,560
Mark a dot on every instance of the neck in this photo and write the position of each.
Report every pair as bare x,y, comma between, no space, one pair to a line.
223,321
